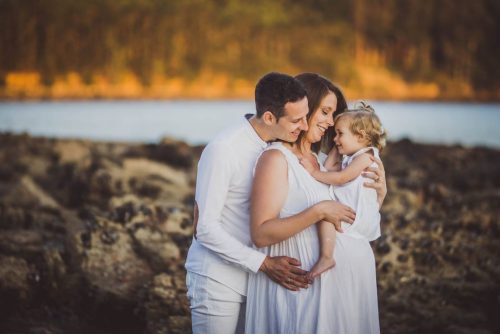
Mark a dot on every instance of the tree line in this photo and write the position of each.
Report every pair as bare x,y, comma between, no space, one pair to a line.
433,41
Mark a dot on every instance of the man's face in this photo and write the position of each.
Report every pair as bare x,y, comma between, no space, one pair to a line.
292,122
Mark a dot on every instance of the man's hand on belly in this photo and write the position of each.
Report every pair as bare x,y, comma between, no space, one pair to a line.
286,272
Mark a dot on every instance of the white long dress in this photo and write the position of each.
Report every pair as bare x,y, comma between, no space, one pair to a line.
342,300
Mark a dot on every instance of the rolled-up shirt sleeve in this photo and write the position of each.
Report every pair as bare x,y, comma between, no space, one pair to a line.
215,171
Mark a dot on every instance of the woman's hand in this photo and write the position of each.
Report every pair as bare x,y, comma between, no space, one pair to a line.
378,176
336,213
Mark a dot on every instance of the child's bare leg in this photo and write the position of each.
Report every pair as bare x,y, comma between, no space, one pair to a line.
326,261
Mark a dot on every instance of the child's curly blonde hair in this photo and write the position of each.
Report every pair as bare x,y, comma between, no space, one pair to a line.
365,123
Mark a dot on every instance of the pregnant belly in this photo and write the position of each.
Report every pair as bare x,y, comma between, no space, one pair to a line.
304,246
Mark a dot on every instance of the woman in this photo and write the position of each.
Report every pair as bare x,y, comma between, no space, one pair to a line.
342,300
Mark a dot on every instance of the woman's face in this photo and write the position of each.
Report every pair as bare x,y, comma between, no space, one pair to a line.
322,118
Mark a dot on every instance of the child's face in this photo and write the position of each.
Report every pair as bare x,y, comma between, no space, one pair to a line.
347,143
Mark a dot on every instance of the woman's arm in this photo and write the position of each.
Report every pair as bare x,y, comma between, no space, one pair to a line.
269,192
349,173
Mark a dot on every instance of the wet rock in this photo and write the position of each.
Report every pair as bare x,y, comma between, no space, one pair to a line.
425,259
166,307
386,267
437,191
86,239
382,246
178,222
109,236
14,280
24,193
55,268
403,258
111,267
403,243
157,247
21,242
88,225
169,151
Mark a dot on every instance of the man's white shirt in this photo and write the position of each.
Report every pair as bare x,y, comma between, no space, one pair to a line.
222,249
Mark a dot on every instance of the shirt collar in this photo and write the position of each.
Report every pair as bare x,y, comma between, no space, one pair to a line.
251,131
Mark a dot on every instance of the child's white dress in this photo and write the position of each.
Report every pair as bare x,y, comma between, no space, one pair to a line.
362,200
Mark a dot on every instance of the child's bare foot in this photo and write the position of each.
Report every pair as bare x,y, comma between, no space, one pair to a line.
323,264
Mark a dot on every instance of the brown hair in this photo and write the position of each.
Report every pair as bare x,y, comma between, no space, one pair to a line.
365,123
274,90
317,87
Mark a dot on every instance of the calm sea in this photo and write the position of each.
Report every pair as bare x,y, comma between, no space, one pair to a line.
469,124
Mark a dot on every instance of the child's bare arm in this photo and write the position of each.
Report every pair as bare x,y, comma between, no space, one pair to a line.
348,174
333,160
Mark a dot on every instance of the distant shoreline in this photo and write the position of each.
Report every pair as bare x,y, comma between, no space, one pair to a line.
197,146
4,99
25,86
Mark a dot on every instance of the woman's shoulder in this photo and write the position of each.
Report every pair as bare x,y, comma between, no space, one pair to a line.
272,160
279,147
273,152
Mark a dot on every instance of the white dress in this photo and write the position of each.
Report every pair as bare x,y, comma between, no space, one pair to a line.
362,199
342,300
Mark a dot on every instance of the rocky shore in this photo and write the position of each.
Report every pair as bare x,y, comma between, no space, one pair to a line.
93,237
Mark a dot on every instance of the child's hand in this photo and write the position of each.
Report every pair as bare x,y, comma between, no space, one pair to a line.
307,165
333,159
334,154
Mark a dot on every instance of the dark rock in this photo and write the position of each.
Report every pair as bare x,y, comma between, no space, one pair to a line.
14,281
21,243
425,259
125,212
86,239
95,236
146,211
109,236
382,246
386,267
403,258
111,268
148,190
157,247
403,244
169,151
166,307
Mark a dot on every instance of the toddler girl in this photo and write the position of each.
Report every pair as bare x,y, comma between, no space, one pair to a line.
359,137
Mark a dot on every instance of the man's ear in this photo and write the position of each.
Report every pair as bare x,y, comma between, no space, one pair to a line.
269,118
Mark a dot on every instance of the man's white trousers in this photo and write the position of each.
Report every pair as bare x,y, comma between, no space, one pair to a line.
215,308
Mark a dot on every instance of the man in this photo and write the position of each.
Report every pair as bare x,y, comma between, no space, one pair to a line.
221,255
